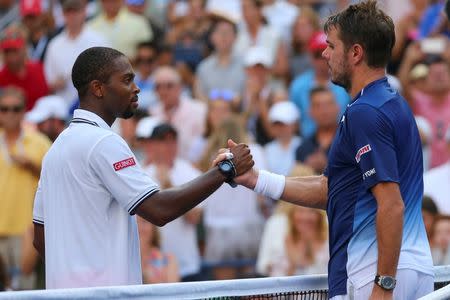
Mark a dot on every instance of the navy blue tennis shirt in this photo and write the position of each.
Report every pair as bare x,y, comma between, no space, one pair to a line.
377,141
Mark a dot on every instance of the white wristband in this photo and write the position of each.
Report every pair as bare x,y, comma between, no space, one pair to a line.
270,185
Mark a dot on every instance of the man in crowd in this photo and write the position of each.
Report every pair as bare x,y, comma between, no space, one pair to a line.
21,154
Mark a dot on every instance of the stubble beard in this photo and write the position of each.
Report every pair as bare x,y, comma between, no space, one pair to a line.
343,78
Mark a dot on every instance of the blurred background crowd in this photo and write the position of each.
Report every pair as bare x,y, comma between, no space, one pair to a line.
209,70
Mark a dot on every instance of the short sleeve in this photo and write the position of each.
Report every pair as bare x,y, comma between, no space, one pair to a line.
117,168
38,206
372,137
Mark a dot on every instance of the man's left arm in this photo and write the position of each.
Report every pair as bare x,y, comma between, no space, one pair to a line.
389,227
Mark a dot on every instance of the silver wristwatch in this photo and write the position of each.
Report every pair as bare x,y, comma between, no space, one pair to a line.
385,282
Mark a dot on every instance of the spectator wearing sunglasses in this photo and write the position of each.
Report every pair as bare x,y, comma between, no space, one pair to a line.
144,65
220,108
18,71
21,154
182,112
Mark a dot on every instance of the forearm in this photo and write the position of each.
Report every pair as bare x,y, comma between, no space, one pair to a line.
39,240
309,191
172,203
389,226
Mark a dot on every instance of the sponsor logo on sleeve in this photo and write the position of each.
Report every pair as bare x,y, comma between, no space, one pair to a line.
369,173
124,164
362,151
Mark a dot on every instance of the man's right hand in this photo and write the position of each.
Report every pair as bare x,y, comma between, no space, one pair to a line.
243,161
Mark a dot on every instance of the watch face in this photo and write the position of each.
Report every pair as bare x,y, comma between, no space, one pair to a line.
387,282
225,167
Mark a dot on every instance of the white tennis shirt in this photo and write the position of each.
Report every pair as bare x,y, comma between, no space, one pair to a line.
89,187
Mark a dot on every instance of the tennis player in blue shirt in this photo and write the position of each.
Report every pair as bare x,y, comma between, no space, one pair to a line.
372,188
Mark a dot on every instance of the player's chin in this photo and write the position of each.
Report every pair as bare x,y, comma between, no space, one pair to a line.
128,113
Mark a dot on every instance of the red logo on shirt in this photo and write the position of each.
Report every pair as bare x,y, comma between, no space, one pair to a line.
362,151
124,164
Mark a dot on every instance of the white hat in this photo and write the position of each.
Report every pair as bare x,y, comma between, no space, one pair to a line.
145,126
285,112
258,55
48,107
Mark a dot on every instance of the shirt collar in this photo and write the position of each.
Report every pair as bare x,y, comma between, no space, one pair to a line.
89,118
375,82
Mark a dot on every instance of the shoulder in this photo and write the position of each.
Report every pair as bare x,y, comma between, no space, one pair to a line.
303,78
206,64
37,139
365,116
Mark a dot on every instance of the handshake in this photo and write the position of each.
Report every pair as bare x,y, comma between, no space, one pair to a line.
236,163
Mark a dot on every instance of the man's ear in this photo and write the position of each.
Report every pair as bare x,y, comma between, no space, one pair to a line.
357,53
96,88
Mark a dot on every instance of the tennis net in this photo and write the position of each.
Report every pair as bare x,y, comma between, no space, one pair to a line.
274,288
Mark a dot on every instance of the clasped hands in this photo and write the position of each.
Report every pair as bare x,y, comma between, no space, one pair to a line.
243,162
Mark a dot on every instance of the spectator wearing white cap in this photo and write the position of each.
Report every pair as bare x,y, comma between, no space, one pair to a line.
280,153
166,168
436,183
258,89
324,111
50,115
255,31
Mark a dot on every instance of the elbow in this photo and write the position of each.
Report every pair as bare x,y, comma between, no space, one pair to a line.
161,220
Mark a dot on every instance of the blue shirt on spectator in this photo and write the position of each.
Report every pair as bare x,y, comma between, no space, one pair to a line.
299,94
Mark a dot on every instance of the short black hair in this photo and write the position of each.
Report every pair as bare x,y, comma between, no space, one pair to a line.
93,64
318,89
365,24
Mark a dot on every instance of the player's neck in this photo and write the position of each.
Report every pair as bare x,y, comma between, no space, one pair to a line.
364,77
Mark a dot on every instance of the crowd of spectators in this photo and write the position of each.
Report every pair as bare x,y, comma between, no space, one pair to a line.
209,70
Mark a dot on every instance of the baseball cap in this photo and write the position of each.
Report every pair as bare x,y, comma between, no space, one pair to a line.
153,128
30,8
48,107
12,38
258,56
72,4
284,112
318,42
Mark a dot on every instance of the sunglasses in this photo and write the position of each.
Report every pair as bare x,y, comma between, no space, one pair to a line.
165,85
225,95
14,109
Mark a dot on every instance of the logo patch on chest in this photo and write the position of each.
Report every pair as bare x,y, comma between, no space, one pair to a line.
124,164
362,151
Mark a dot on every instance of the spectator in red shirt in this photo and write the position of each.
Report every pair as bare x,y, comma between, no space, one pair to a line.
18,71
